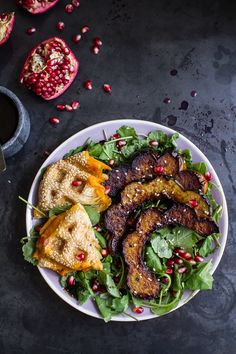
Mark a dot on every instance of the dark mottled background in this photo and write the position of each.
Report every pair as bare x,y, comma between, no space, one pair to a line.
143,41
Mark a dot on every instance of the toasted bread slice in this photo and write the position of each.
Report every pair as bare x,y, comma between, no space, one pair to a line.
64,238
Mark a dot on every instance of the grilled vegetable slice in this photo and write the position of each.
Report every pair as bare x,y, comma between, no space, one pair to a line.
192,181
141,281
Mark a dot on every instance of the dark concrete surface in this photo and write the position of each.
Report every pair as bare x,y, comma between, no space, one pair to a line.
143,40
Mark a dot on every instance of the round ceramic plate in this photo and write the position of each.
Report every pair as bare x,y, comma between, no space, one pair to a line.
95,133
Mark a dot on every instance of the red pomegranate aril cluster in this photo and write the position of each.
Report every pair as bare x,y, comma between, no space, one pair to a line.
138,310
76,38
80,257
30,30
54,120
60,26
208,176
104,252
71,280
69,8
88,85
193,203
107,88
76,183
158,169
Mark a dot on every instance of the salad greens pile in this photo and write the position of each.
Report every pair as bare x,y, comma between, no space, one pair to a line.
108,287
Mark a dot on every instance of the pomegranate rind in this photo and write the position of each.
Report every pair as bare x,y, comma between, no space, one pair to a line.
38,8
71,56
6,27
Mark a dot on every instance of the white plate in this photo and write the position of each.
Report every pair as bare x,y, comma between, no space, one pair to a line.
95,132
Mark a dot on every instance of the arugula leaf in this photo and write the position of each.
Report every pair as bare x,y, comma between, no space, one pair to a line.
101,239
136,301
58,210
187,156
125,131
95,150
152,260
103,308
163,308
217,213
75,151
160,246
199,167
93,214
200,278
217,208
84,291
121,304
207,246
182,237
106,280
29,245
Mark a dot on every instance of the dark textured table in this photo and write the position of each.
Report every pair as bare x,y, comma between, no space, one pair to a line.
143,41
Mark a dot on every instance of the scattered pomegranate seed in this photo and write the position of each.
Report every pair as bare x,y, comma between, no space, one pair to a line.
107,88
107,189
116,136
169,271
54,120
97,41
80,256
95,49
104,252
98,228
166,100
198,259
76,3
179,251
121,143
71,280
193,93
60,107
96,285
30,30
130,221
153,143
69,8
165,280
138,310
182,270
75,105
178,260
186,255
208,176
84,29
76,183
68,108
111,162
193,203
192,261
88,85
158,169
170,263
60,26
76,38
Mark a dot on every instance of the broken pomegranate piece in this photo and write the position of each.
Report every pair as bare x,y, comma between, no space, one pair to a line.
6,26
37,6
49,69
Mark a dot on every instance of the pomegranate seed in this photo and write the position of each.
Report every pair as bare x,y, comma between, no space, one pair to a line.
121,143
84,29
98,228
159,169
76,3
116,279
80,256
107,189
69,8
170,262
165,280
186,255
111,162
208,176
138,310
192,261
96,285
179,251
68,108
166,100
153,143
182,270
88,85
75,105
198,259
71,281
104,252
107,88
116,136
60,26
169,271
76,38
193,93
30,30
76,183
60,107
193,203
130,221
54,120
97,41
178,260
95,49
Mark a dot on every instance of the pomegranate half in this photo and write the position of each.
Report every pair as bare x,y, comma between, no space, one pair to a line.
6,26
50,68
37,6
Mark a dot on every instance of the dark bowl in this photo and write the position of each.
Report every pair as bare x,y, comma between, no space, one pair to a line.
19,138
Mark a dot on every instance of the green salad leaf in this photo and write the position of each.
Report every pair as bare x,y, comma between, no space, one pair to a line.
200,278
106,280
152,260
58,210
93,214
160,246
180,236
29,245
101,239
104,308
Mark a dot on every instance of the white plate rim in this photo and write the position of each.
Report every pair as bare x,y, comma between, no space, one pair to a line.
153,126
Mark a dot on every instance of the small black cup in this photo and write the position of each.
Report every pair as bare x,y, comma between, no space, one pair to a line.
21,134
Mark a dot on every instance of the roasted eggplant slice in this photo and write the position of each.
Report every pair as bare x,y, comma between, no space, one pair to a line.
192,181
136,193
141,281
142,168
